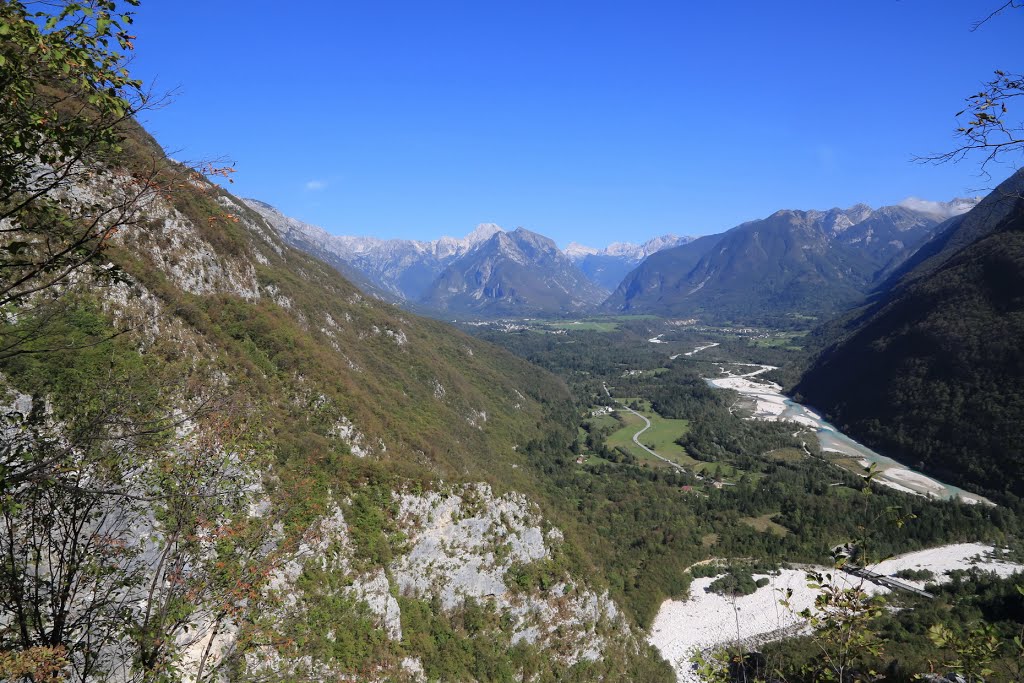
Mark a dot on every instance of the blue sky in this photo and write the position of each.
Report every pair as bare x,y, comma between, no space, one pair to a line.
587,121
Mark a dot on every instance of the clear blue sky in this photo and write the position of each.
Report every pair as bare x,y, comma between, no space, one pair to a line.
588,121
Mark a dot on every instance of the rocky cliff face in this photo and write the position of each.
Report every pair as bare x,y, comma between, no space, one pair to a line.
463,550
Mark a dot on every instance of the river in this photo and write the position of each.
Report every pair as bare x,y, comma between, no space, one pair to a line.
769,403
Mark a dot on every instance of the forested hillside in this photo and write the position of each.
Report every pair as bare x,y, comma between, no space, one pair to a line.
931,371
222,460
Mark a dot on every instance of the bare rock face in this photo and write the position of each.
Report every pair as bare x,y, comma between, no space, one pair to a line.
455,539
462,545
513,273
468,544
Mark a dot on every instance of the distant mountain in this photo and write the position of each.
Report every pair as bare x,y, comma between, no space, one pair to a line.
653,285
932,371
487,273
606,267
793,262
513,273
402,270
319,243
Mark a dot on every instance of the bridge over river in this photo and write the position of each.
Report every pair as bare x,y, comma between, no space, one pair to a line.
887,581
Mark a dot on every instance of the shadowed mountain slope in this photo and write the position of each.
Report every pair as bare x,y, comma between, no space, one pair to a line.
931,371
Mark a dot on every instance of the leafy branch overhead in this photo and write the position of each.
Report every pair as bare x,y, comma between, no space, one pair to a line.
66,97
988,125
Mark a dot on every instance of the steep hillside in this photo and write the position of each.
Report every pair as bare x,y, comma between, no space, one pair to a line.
265,473
793,262
888,236
513,274
319,243
931,372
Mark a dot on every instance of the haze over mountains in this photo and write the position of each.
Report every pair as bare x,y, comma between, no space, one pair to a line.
813,263
403,270
513,273
490,272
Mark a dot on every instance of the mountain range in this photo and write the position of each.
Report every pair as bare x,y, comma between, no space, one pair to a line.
400,270
513,273
606,267
489,272
806,263
225,459
791,263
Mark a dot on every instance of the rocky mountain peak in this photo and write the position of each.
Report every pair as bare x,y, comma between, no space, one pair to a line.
859,212
534,240
482,233
606,267
505,245
576,251
656,244
626,250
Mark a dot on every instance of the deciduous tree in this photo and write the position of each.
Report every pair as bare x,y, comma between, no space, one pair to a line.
65,97
988,126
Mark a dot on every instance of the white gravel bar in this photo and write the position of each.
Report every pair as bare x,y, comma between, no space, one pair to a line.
705,621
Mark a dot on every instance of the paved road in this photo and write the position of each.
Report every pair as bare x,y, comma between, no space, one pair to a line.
636,437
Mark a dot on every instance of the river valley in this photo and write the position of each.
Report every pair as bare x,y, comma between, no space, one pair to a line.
767,402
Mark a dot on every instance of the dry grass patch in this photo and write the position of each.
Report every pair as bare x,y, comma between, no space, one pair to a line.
765,525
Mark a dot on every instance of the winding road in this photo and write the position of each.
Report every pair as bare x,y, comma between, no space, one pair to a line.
647,425
636,438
